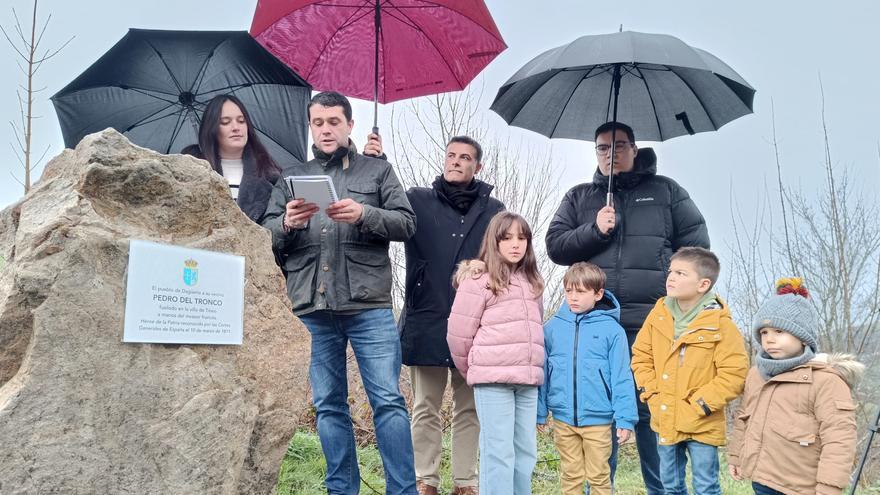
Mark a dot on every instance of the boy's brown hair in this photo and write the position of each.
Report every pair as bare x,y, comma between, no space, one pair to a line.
586,275
705,262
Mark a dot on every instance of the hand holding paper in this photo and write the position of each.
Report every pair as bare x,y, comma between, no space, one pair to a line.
317,189
298,213
346,211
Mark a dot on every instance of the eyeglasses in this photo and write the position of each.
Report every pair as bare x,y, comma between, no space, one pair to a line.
619,146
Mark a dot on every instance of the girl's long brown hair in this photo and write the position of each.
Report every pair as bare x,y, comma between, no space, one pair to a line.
498,268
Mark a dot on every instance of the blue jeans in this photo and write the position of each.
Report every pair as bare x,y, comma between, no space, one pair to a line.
508,442
764,490
704,467
376,344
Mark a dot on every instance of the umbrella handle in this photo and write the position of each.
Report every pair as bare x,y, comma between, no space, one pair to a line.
375,130
609,199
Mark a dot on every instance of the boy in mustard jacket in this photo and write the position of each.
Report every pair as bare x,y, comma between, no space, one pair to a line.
689,361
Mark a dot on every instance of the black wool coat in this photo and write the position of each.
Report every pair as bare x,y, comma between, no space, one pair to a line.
443,238
655,217
254,193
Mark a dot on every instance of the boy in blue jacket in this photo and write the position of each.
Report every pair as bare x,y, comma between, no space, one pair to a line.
588,383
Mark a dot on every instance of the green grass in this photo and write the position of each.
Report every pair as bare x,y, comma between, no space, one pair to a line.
302,472
303,468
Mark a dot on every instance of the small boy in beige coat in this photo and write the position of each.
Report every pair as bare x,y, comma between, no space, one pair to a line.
795,432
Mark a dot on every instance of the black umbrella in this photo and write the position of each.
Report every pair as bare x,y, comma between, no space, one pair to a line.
153,86
655,83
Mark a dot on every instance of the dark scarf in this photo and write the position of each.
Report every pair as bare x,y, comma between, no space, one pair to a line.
769,367
337,156
460,196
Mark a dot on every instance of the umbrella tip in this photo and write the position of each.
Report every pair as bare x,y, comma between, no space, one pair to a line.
620,30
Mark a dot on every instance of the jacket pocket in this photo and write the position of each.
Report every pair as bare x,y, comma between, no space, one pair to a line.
802,432
556,380
369,274
653,403
689,417
799,435
366,193
596,396
698,354
301,274
415,285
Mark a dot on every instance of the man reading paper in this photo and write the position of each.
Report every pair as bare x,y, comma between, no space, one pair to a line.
339,281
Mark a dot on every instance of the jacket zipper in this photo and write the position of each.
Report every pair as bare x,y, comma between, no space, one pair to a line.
528,327
574,380
619,229
764,429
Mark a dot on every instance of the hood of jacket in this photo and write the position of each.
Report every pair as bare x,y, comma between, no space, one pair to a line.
644,165
844,365
709,319
605,308
469,269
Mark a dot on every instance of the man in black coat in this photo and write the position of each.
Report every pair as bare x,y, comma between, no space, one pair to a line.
451,218
632,240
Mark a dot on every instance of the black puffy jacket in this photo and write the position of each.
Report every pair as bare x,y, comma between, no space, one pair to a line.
443,238
655,217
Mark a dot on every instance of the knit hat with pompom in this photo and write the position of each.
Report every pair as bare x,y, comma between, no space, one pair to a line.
789,309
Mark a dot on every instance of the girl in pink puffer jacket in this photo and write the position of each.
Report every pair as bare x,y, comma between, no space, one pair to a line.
496,338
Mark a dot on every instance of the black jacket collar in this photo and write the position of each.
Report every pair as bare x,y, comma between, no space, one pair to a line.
645,166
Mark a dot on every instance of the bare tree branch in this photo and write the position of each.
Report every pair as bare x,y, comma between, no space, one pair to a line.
16,178
525,180
27,50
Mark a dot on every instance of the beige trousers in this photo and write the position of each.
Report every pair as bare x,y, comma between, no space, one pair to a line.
428,386
583,455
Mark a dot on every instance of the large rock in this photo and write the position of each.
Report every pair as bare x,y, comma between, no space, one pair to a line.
81,412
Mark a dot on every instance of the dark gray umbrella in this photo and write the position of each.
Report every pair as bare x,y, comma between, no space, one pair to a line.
655,83
153,86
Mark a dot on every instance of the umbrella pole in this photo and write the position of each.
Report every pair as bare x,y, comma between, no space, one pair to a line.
615,81
378,25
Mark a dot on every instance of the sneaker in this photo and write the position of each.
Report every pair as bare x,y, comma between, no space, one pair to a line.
425,489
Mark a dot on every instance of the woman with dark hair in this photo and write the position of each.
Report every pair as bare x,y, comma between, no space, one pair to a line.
228,142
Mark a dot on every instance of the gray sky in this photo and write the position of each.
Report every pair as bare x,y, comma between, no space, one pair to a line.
780,47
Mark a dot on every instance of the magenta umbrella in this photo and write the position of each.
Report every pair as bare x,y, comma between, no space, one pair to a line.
387,50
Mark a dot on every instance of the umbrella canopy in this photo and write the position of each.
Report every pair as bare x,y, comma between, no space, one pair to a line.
666,88
153,85
380,49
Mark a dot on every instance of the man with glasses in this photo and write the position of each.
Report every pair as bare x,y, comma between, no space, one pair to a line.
650,217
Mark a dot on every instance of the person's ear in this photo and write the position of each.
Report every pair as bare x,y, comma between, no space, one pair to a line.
478,167
600,294
705,285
